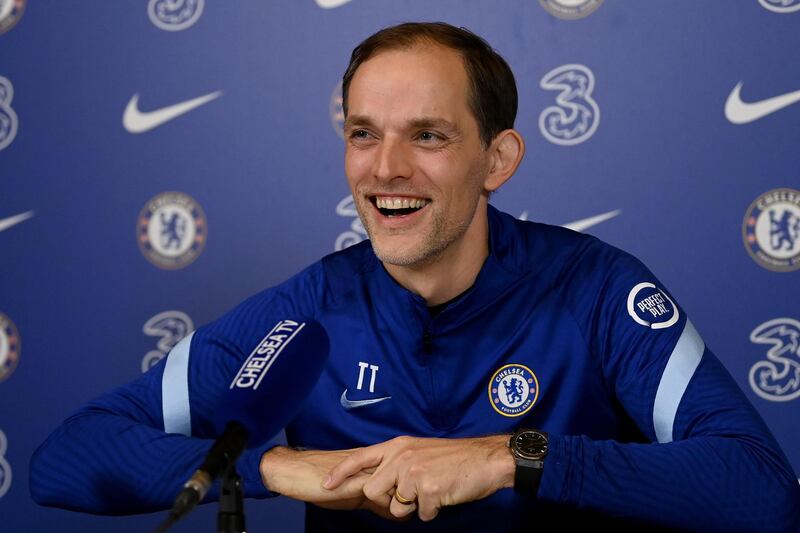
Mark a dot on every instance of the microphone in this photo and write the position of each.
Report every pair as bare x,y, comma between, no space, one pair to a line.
263,395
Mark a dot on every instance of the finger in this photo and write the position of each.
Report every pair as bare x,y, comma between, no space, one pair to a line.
405,491
354,463
428,507
382,511
380,486
429,499
382,501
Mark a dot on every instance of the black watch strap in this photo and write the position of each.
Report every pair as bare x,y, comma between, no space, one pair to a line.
527,477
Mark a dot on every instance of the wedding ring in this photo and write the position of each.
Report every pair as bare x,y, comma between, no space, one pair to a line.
402,500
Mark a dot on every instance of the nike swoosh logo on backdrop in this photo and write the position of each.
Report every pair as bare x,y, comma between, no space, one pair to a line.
740,112
6,223
352,404
584,223
330,4
136,121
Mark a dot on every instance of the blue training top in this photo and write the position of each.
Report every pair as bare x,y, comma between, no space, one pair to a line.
560,332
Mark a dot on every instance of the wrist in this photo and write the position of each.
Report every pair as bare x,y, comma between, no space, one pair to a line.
270,465
502,462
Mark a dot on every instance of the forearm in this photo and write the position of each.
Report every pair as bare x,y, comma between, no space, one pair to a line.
299,475
107,464
701,483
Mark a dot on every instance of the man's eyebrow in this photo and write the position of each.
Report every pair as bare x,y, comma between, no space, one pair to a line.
432,122
414,123
358,120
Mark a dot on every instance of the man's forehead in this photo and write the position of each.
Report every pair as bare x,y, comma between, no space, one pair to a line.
430,78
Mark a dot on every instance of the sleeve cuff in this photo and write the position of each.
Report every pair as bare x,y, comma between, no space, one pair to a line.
250,470
561,478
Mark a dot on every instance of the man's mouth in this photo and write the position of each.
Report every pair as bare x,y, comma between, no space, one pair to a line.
398,206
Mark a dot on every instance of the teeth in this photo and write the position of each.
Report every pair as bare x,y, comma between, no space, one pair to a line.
399,203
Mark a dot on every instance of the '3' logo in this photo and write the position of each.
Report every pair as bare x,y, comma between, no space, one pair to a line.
576,116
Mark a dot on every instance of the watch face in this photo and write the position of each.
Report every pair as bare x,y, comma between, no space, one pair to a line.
531,444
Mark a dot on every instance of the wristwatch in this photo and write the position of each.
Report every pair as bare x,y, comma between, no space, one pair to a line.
529,448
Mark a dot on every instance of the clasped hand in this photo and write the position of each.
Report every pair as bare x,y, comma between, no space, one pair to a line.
394,478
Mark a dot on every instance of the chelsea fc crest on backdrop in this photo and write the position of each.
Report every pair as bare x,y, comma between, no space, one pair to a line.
174,15
10,13
771,230
781,6
9,347
171,230
513,390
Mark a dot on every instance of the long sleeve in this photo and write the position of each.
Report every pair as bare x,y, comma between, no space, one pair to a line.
114,457
711,464
131,449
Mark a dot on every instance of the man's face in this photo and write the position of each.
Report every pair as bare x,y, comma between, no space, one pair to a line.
413,158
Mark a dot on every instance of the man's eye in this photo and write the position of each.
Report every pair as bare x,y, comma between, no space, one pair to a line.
359,134
428,136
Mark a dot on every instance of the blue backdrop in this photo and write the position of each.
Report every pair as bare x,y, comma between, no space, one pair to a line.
667,128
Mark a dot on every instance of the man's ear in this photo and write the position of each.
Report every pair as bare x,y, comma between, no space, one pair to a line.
505,155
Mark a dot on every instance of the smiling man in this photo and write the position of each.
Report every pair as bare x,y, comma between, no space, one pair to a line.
485,373
420,168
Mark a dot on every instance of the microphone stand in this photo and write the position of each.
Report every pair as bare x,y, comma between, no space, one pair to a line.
230,517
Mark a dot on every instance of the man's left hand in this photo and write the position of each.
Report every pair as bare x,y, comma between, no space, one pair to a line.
433,473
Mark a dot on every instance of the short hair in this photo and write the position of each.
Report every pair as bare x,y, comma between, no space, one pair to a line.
492,89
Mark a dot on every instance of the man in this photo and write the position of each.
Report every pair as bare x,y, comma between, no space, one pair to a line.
453,328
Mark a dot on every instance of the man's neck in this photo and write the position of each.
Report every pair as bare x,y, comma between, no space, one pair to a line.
453,271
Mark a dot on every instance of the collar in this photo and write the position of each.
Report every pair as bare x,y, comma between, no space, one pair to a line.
495,278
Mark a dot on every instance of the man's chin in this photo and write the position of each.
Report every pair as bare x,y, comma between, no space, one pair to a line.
397,255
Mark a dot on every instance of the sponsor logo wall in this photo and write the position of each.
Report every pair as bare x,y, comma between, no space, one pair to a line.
162,160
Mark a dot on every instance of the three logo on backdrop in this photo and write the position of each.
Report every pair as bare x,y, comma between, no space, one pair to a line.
10,13
576,115
8,118
171,230
771,230
10,347
174,15
5,468
170,327
777,378
356,233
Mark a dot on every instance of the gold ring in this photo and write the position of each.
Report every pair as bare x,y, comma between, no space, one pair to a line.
402,500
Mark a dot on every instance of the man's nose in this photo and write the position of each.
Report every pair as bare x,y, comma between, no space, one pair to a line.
392,160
